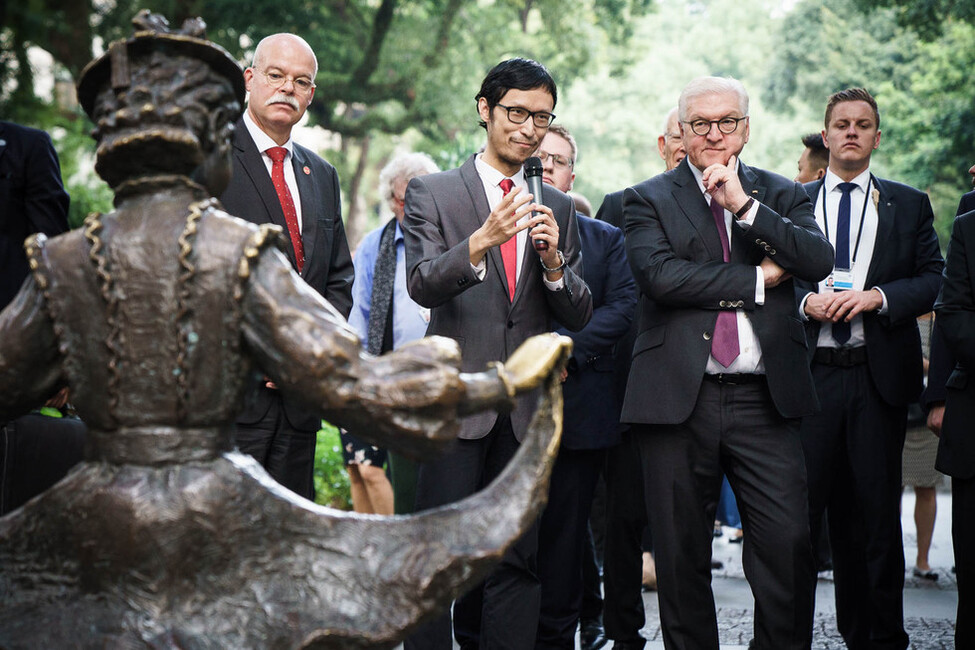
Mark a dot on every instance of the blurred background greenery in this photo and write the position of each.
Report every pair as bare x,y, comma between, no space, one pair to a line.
402,74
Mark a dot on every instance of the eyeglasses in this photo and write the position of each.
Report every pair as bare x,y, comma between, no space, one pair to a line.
559,161
276,80
519,115
726,125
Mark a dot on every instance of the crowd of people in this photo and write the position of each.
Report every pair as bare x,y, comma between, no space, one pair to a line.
740,338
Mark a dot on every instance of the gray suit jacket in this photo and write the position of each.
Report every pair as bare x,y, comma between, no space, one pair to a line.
675,254
442,210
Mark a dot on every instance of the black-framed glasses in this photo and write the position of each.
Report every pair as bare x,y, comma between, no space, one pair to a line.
557,160
726,125
519,115
276,80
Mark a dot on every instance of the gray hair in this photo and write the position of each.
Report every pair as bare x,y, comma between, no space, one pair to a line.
666,128
404,167
712,86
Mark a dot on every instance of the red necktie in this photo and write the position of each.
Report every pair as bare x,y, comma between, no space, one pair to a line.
509,249
277,155
724,344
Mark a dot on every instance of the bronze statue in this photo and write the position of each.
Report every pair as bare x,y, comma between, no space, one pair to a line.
155,316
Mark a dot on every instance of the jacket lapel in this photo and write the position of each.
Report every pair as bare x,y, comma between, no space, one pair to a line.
741,245
687,193
886,211
308,191
252,163
475,188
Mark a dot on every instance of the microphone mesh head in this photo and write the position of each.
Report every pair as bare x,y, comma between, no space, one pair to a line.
533,166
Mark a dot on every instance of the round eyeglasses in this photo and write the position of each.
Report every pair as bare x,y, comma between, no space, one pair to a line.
726,125
276,80
558,161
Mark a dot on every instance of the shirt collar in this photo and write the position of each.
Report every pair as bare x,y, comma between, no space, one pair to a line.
492,177
832,180
262,139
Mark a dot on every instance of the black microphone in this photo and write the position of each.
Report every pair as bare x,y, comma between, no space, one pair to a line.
533,176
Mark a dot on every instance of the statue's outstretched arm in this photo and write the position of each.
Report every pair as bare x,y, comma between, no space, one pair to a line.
408,399
30,363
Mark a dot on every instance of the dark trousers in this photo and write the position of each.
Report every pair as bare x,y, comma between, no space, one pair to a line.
503,611
626,518
963,542
735,430
853,452
562,537
403,477
287,454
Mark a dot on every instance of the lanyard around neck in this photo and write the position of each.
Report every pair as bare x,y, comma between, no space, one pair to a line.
863,213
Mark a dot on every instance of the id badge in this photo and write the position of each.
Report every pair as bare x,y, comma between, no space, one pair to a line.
840,280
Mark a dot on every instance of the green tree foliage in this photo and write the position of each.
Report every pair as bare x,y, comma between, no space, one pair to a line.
926,17
922,86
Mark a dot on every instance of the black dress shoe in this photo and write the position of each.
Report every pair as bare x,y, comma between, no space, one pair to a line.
592,636
629,645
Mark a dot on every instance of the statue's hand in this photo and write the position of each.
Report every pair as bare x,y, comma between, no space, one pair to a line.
535,359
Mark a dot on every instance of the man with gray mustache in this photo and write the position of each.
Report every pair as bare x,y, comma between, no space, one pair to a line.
276,180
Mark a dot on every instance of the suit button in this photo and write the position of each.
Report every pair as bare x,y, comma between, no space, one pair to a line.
759,242
511,324
723,303
740,303
771,251
462,282
707,336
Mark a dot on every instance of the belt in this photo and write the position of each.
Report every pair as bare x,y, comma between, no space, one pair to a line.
735,379
841,357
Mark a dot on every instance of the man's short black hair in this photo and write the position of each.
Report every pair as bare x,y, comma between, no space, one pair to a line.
520,74
818,153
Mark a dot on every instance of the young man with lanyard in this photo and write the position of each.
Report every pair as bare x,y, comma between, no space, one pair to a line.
866,364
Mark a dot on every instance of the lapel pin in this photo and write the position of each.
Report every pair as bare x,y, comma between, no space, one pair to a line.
306,170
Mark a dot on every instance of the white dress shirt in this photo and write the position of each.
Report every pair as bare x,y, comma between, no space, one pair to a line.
859,257
264,142
491,180
749,360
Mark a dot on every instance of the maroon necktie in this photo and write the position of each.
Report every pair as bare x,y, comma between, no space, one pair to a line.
509,249
724,343
277,155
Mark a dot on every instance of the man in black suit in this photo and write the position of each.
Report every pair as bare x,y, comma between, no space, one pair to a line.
866,362
32,199
591,415
956,450
719,375
470,259
276,180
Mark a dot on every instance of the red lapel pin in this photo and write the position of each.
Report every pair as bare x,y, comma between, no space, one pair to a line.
306,170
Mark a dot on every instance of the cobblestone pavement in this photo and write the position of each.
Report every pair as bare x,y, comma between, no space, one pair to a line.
929,607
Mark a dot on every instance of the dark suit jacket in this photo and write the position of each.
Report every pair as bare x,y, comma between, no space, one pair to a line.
442,210
906,266
592,401
675,253
611,211
328,263
32,199
941,360
956,320
967,203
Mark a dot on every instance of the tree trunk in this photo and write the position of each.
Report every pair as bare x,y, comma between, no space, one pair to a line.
355,221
